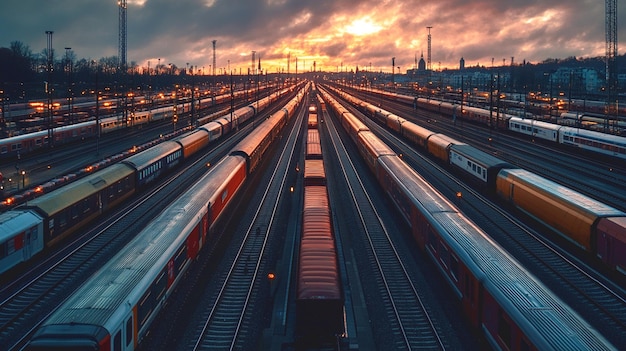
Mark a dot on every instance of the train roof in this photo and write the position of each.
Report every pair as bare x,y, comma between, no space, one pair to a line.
313,151
549,322
313,136
314,169
417,129
443,140
150,156
253,140
599,136
17,221
195,136
126,275
558,191
22,137
61,198
318,272
355,123
478,156
374,144
535,123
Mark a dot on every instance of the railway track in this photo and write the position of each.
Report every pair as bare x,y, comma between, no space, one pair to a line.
26,302
592,177
601,302
411,322
227,315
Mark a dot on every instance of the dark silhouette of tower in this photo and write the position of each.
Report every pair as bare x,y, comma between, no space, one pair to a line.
214,64
429,64
121,51
611,54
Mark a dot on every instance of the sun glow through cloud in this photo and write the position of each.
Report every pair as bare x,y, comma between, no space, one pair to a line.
330,33
363,26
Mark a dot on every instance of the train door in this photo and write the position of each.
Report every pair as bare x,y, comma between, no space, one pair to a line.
123,339
27,249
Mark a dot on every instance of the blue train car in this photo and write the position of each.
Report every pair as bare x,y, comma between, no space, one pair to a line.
151,163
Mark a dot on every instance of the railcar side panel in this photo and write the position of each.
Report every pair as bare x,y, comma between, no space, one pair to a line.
395,123
481,166
193,142
233,177
573,223
501,330
416,134
21,237
610,234
70,207
439,146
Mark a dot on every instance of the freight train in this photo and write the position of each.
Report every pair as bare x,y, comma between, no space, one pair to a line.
319,294
592,141
66,209
142,276
595,227
511,307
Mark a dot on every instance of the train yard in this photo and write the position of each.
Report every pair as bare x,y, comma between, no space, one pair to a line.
396,249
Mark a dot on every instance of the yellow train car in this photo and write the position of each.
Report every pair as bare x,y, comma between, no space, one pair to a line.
570,213
439,146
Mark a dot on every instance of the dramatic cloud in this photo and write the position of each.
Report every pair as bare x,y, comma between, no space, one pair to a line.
334,34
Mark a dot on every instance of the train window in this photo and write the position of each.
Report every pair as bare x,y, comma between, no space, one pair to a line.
181,258
10,247
443,256
160,284
117,341
144,308
3,250
74,212
432,240
504,329
454,268
129,331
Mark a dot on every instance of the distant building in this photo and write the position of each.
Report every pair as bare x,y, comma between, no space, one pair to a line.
420,74
462,64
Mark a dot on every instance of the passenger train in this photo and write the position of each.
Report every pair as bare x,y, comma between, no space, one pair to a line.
593,141
319,295
142,276
512,308
593,226
66,209
27,143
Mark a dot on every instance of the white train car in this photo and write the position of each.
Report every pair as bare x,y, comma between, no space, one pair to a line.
21,237
607,144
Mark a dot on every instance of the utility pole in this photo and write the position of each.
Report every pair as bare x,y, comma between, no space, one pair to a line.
121,56
214,65
429,65
611,54
69,84
393,67
48,87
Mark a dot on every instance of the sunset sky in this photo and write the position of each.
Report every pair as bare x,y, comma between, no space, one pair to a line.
331,32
